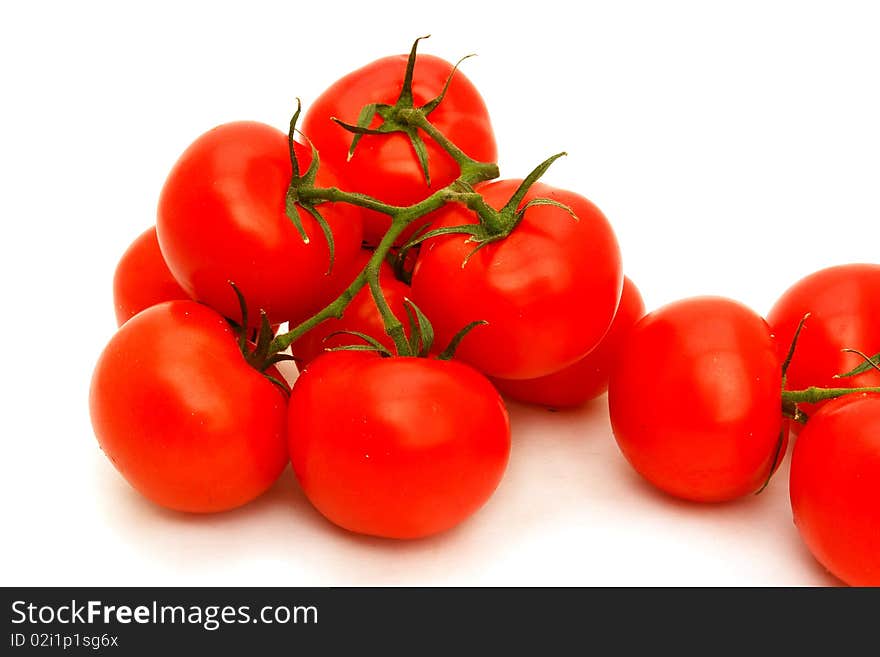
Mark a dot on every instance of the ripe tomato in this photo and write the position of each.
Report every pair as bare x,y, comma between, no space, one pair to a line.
142,278
835,487
396,447
695,399
222,217
182,416
386,166
588,377
360,315
844,307
548,291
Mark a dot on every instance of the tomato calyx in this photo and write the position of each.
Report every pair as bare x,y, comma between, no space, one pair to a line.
815,394
300,180
493,225
260,356
403,116
420,342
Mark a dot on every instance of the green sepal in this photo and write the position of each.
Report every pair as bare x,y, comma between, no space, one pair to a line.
277,358
776,456
280,384
481,245
294,163
421,150
464,229
533,177
405,99
449,352
328,234
372,343
365,118
793,346
361,347
871,363
431,105
242,326
264,340
546,201
421,336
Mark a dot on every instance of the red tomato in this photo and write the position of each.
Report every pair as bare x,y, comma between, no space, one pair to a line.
360,315
182,416
588,377
142,278
548,291
386,166
222,217
844,307
695,399
396,447
835,487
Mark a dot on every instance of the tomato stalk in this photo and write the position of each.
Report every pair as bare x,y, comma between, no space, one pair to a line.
814,394
401,217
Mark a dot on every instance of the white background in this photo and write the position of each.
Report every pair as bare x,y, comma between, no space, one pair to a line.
735,147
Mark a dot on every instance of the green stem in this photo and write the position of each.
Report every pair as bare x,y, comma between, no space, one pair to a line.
332,310
471,170
393,326
401,217
814,394
336,195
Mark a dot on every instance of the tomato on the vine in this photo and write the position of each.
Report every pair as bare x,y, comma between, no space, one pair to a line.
142,278
361,315
835,487
396,447
587,378
696,399
844,307
222,216
548,290
386,166
183,417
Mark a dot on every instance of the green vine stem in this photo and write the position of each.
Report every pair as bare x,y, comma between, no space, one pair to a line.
401,217
813,394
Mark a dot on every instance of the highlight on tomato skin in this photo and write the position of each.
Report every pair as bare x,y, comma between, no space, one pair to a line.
182,416
843,303
695,400
222,217
142,278
588,378
834,487
396,447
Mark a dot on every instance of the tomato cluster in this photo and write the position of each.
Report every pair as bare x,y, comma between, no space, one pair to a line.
375,246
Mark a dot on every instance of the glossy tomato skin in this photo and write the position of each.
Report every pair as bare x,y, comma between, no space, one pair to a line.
222,217
548,291
385,166
835,487
186,421
142,279
396,447
587,378
361,315
844,306
695,399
